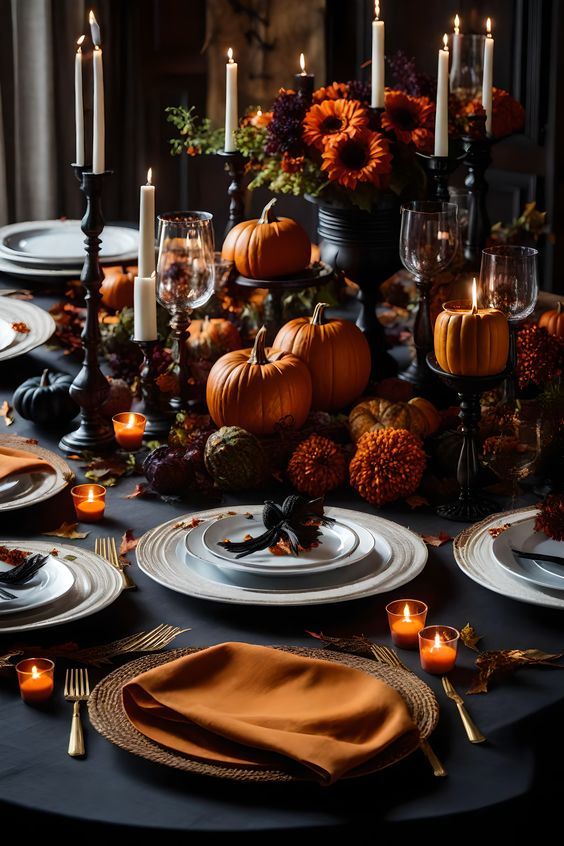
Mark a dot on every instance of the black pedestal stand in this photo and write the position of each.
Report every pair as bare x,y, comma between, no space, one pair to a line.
439,169
235,166
90,388
471,505
158,421
477,160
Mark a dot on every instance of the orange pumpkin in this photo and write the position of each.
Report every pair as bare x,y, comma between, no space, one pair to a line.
553,321
336,352
418,416
471,342
117,288
257,389
212,337
269,247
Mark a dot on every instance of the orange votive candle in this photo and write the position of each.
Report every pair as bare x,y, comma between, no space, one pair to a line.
89,502
129,428
35,678
437,649
406,618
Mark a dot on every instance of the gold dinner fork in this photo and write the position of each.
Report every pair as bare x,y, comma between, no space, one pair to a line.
77,690
106,548
387,656
473,732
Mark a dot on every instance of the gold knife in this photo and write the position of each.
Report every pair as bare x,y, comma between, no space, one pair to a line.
473,732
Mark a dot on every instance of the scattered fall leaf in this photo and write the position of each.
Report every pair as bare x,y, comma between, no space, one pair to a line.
140,489
436,540
498,530
67,530
31,441
248,516
416,501
21,328
469,637
507,661
128,542
75,457
6,411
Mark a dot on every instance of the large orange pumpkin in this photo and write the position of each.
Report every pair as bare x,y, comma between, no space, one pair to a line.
212,337
418,416
269,247
553,321
471,342
257,389
336,352
117,288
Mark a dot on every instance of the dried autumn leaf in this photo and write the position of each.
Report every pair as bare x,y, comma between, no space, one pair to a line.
357,644
494,531
436,540
140,489
416,501
67,530
469,637
507,661
128,542
6,411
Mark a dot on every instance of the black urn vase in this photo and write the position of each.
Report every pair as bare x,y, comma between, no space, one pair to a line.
364,246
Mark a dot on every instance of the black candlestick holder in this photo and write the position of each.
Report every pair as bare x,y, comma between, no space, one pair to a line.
235,166
90,388
471,505
478,149
439,169
158,418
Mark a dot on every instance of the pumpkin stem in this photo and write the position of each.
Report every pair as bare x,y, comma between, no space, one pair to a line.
44,379
267,215
558,307
318,317
258,354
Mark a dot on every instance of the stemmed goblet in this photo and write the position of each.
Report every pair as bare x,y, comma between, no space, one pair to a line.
429,238
185,279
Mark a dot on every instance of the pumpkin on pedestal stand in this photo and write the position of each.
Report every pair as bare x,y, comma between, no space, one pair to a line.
553,321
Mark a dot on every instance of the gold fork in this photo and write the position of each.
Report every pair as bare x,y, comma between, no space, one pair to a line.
387,656
473,732
77,690
106,548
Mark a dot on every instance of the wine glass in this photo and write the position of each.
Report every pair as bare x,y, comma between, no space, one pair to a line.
513,441
185,279
509,282
429,239
467,52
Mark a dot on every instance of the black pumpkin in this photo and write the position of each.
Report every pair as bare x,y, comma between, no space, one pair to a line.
46,399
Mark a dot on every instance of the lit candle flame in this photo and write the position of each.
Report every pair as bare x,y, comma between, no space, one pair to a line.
376,10
94,29
457,24
91,495
489,28
130,422
35,674
445,42
150,176
80,41
230,55
474,296
259,112
406,616
302,63
437,641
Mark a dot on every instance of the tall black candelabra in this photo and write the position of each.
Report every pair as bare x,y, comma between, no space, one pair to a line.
90,388
476,161
158,420
235,167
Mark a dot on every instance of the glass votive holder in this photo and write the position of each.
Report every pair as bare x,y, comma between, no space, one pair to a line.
36,679
437,649
406,618
89,502
129,428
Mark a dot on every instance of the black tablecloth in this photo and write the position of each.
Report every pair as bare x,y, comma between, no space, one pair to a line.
521,717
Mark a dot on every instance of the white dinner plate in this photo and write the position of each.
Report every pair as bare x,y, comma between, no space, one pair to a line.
50,583
35,487
60,243
522,536
7,334
38,273
39,322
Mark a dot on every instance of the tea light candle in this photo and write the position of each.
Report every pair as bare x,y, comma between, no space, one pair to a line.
437,649
89,502
35,678
406,618
129,429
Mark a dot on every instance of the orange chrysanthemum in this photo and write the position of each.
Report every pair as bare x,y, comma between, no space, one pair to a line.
333,119
364,157
335,91
409,118
292,164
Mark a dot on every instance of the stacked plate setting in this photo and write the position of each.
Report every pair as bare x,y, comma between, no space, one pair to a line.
358,555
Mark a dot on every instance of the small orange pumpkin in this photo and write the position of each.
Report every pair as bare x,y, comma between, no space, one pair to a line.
553,321
269,247
212,337
257,389
418,416
336,352
117,288
471,342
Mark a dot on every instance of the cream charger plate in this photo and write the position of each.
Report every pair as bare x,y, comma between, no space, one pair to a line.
161,555
96,585
475,555
42,485
39,322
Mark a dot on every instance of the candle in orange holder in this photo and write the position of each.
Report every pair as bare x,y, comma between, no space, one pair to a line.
437,649
129,429
89,502
35,678
406,618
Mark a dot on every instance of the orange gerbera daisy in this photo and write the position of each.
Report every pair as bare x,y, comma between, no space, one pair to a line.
335,91
363,157
410,118
331,119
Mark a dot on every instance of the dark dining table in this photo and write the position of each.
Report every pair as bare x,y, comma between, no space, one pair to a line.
41,787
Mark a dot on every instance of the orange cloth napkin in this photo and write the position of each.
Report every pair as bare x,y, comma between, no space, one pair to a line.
18,461
254,706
